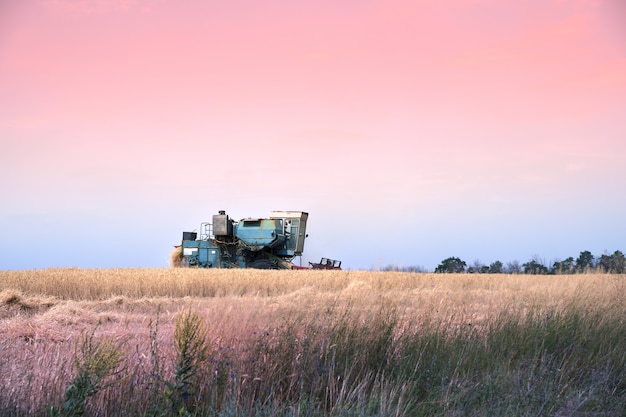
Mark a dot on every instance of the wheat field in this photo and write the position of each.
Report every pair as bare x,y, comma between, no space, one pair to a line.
44,314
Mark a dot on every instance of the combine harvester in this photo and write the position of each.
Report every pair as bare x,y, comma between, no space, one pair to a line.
270,243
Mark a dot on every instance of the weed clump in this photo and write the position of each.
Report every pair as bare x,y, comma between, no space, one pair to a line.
96,359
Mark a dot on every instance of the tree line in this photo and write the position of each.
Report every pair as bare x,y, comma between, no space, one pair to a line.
585,262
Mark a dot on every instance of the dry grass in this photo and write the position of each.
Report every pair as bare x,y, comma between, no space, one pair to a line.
55,302
43,312
81,298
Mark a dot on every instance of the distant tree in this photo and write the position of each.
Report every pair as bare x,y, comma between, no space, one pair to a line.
619,262
396,268
496,267
566,266
613,264
584,261
451,265
513,267
478,268
535,266
604,263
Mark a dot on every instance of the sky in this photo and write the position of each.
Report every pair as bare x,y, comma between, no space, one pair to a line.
410,130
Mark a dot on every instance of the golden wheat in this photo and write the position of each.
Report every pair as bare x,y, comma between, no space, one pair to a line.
412,294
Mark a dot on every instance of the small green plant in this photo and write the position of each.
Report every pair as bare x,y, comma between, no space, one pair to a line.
96,359
190,341
179,397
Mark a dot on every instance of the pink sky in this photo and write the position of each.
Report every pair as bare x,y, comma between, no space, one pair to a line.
456,119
